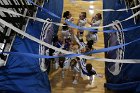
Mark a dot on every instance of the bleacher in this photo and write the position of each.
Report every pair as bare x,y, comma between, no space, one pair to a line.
7,36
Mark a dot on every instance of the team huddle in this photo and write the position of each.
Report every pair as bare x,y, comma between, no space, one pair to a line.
75,43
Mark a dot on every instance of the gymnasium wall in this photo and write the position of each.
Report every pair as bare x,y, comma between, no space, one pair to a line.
22,74
55,6
122,77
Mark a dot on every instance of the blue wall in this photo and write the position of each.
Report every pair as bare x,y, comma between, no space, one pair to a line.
22,74
129,76
55,6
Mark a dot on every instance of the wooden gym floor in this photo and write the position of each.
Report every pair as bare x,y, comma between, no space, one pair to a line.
60,85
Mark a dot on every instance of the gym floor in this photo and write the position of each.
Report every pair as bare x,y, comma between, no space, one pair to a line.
64,85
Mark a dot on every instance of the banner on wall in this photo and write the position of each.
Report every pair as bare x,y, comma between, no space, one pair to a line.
56,7
46,36
22,74
122,77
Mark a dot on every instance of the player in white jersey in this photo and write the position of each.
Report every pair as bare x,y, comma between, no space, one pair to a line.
76,70
68,17
92,37
96,20
81,22
61,65
89,71
67,31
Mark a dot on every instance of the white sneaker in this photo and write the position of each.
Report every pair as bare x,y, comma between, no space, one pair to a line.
75,82
91,86
99,75
63,75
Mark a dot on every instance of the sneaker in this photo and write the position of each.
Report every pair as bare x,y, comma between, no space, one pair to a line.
91,86
63,74
75,82
99,75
